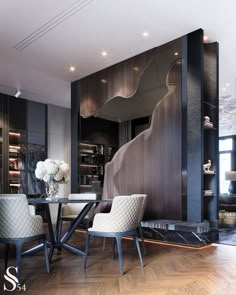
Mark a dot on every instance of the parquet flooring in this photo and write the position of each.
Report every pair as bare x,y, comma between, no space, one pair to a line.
168,271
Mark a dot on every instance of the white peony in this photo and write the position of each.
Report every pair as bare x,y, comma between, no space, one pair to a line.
51,166
40,164
64,168
46,177
40,171
59,175
56,170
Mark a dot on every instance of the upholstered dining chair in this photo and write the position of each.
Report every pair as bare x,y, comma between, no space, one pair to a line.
18,226
71,210
122,221
140,231
140,219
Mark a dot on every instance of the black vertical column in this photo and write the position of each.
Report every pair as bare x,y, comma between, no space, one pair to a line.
194,126
184,46
75,135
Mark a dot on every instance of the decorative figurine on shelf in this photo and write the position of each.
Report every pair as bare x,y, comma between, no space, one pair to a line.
206,167
207,123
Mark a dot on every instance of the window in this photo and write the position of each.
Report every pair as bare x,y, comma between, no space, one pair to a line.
225,149
225,144
225,165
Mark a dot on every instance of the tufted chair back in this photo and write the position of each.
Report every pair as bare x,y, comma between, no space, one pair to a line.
16,220
144,205
74,208
124,215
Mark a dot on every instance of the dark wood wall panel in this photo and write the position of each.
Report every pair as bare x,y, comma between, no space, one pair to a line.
164,161
151,162
121,79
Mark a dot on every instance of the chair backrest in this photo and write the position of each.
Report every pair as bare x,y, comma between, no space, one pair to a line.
14,216
125,212
144,205
75,208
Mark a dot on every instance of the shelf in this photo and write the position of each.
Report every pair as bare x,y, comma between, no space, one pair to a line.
209,173
14,184
209,195
85,185
209,104
89,165
88,144
17,134
208,128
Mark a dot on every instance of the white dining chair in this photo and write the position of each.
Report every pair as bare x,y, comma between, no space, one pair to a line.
71,211
122,221
18,226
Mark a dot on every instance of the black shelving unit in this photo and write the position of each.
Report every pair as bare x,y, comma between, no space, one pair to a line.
17,162
92,161
211,135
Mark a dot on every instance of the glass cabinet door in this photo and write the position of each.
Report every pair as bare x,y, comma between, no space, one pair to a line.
17,162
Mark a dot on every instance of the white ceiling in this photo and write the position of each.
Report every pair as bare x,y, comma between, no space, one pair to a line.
66,33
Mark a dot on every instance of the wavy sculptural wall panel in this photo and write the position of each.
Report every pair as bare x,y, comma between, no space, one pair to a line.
121,79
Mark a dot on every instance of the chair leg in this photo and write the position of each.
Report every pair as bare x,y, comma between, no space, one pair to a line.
86,250
138,249
141,236
46,256
6,252
113,248
18,259
104,244
119,246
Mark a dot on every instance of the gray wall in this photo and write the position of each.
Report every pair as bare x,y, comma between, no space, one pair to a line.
59,144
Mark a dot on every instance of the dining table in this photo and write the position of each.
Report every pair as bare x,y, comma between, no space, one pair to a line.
55,241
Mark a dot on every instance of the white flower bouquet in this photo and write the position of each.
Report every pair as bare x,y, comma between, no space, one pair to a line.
53,170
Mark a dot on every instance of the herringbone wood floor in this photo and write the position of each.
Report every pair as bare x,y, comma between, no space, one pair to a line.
168,270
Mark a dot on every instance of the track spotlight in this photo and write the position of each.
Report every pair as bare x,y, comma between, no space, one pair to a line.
18,93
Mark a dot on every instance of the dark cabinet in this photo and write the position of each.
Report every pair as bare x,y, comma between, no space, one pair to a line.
23,144
36,144
17,113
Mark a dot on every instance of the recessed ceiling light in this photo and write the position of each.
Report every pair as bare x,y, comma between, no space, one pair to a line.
223,89
227,84
104,53
205,38
104,81
145,34
72,69
176,53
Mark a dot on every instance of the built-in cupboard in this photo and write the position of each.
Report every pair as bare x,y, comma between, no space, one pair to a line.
23,143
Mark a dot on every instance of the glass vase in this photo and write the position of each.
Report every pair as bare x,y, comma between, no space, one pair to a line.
52,188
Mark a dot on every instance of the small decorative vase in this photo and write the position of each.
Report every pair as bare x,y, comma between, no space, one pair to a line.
52,188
